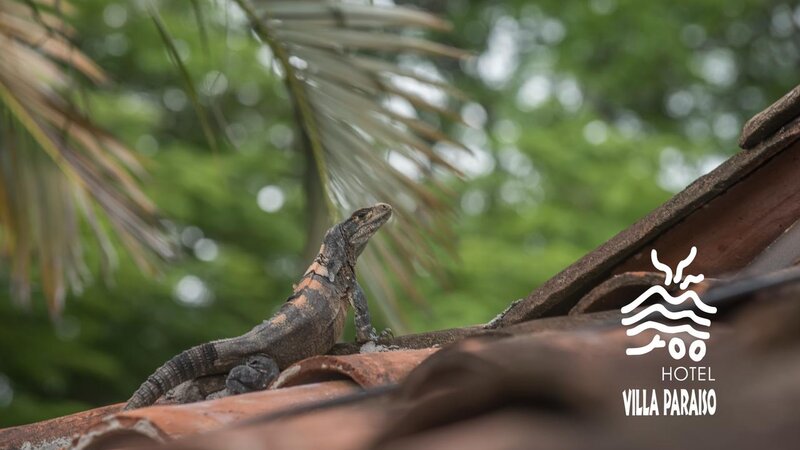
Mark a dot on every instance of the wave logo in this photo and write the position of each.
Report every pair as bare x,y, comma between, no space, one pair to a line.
677,347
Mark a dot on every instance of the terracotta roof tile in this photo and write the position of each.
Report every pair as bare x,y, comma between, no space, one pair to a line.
767,122
367,369
162,423
732,229
52,433
611,294
497,430
419,340
313,380
346,427
562,389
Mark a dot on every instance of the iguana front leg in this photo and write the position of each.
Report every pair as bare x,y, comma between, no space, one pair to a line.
365,332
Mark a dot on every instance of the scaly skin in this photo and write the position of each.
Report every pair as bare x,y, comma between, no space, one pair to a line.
308,324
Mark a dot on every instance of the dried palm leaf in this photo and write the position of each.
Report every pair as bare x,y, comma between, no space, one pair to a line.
58,171
340,63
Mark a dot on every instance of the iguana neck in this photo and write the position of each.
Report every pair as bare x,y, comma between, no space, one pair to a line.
335,261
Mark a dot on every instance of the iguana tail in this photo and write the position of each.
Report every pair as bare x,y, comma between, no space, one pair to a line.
189,364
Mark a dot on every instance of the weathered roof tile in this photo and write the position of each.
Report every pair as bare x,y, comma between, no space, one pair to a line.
365,369
162,423
614,292
769,121
54,433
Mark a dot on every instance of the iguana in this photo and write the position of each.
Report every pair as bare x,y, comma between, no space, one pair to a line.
308,324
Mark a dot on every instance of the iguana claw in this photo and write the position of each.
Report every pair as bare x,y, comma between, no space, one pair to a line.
387,333
375,337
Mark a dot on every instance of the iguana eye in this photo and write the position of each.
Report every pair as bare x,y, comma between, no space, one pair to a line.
360,214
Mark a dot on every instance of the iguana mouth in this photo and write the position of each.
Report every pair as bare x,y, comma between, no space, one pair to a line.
370,220
381,213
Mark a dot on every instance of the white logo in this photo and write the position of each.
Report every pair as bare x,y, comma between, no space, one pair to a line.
672,401
677,347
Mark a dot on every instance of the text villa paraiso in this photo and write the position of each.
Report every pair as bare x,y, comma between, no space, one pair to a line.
673,402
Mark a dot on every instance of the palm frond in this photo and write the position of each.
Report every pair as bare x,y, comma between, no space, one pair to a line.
340,62
57,169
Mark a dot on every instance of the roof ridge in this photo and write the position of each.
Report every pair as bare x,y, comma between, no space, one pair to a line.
767,122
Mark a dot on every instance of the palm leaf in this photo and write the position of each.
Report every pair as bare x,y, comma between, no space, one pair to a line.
340,65
57,169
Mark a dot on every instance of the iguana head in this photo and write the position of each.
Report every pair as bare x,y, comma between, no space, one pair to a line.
362,224
345,241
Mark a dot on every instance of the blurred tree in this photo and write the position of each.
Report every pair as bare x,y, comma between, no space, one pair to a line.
587,115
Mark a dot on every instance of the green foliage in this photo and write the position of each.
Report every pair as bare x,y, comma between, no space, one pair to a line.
594,113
